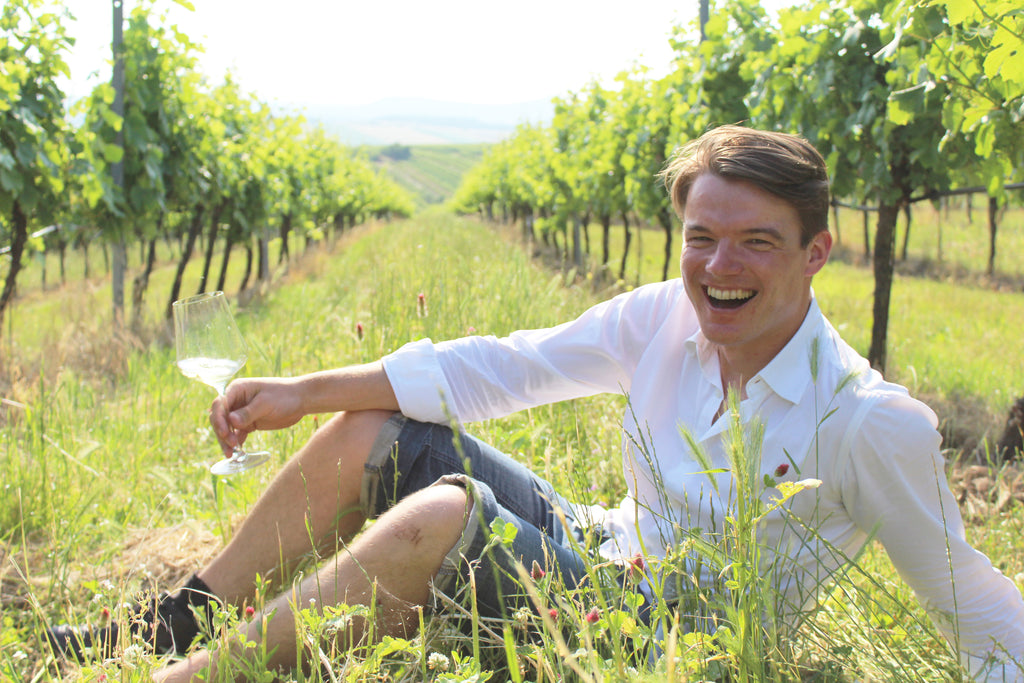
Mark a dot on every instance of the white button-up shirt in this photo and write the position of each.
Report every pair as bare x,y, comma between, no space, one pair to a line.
826,415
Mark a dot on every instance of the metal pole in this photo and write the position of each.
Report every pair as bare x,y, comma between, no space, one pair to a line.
120,256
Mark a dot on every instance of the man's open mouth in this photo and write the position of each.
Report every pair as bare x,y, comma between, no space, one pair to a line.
728,298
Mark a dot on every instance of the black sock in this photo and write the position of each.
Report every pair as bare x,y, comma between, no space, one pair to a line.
195,597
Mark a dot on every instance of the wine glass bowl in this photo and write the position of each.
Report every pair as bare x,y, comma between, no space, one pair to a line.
211,349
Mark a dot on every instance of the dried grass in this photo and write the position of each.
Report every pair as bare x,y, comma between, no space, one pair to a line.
984,491
160,558
167,555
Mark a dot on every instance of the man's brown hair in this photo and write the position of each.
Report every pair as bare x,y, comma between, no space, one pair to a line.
784,165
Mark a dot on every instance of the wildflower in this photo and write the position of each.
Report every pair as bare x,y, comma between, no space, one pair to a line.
438,662
250,611
521,616
105,613
359,331
470,330
635,568
536,573
421,305
781,470
132,656
553,613
592,616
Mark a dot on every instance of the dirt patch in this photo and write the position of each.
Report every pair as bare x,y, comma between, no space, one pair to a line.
965,422
161,559
983,491
167,555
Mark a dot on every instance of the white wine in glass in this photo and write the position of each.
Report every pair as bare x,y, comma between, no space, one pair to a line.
211,349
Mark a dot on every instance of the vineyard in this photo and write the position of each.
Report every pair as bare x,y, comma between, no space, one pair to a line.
907,103
160,155
431,173
163,184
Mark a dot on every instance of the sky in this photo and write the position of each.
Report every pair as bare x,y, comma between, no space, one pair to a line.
355,52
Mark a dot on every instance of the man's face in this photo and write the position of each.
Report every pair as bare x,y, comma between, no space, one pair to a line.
744,269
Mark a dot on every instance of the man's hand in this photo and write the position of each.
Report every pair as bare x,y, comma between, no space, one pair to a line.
276,403
252,404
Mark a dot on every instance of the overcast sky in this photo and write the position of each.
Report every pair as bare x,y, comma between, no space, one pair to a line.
346,52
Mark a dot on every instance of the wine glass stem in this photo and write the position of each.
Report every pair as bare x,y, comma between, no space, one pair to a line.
237,453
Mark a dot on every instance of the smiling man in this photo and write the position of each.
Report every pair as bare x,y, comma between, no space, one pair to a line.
742,319
747,270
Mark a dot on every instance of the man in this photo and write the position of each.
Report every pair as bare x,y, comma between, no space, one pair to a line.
743,319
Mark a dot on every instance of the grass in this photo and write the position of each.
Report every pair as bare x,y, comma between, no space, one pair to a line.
950,239
105,447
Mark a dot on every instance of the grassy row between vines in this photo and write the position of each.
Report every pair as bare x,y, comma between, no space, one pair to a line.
105,453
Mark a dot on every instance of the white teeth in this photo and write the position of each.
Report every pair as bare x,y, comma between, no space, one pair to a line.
729,294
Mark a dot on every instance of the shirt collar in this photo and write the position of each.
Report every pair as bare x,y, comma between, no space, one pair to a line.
787,374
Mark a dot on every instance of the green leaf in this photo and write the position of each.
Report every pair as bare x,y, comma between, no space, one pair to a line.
899,113
994,186
960,11
1006,58
984,140
11,181
112,153
903,105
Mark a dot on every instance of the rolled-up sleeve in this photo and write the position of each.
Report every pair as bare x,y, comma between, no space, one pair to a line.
484,377
419,383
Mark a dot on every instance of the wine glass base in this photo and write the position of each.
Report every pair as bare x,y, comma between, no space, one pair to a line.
239,463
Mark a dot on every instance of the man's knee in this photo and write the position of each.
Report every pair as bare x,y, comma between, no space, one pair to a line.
442,503
436,515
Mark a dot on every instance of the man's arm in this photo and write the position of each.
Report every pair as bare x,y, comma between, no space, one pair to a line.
895,484
252,404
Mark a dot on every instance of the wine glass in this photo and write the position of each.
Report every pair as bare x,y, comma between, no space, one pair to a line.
211,349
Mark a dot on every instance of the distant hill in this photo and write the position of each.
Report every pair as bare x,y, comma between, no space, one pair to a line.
417,121
430,172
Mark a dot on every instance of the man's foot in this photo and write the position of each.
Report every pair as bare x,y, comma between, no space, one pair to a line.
164,623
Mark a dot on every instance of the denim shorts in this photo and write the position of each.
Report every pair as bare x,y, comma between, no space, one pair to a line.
408,456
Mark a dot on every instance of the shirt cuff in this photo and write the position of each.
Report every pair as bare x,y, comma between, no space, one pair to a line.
419,383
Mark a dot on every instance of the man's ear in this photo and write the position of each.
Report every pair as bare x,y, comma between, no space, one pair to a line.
817,252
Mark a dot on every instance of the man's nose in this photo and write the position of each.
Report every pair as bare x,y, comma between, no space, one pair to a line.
724,259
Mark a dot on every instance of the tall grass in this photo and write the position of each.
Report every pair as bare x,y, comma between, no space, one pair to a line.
106,490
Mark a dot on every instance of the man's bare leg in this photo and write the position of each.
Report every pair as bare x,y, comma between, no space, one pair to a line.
312,502
392,562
